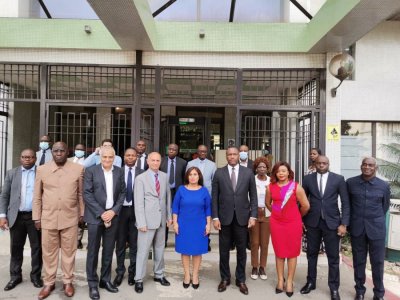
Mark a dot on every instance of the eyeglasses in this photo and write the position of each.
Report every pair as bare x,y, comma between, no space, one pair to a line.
58,150
27,157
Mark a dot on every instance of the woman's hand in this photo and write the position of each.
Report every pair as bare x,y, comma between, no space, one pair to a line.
208,229
176,227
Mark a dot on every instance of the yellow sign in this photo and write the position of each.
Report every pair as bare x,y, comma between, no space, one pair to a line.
333,132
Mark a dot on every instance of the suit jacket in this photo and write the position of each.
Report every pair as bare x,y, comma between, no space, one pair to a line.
57,197
10,198
95,193
48,156
150,209
226,201
180,169
335,187
208,171
369,204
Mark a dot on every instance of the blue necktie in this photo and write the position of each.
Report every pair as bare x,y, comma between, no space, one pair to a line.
129,192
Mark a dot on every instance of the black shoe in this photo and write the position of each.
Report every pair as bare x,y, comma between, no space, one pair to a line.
377,298
108,286
94,293
289,294
37,283
118,280
12,284
80,245
163,281
139,287
308,287
222,285
195,286
335,295
131,279
359,297
186,285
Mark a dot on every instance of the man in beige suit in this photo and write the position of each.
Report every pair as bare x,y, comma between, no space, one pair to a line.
57,208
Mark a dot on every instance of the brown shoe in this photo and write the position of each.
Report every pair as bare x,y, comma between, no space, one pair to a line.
242,287
223,284
46,291
68,289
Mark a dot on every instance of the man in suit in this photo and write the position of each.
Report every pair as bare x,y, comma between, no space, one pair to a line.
175,167
104,194
245,161
127,231
234,210
16,216
153,213
57,209
369,200
141,162
325,220
95,157
79,158
44,155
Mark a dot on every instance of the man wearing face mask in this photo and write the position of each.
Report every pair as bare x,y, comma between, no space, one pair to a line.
79,158
244,157
44,154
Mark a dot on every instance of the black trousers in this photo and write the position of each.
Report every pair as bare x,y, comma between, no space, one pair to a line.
331,239
22,227
237,234
96,234
127,232
361,246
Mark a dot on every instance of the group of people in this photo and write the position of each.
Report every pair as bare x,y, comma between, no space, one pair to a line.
131,202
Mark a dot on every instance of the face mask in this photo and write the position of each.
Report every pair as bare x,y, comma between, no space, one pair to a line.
79,153
243,155
44,145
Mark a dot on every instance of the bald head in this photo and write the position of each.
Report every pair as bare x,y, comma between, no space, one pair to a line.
322,164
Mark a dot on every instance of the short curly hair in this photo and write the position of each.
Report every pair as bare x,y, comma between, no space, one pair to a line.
274,178
261,159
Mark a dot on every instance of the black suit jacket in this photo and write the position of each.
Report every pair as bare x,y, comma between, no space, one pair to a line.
335,186
180,169
95,193
226,201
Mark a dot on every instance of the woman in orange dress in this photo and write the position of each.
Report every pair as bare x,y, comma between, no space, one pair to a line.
283,196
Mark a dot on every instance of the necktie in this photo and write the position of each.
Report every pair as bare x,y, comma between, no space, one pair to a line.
42,158
172,173
157,184
129,192
233,179
321,192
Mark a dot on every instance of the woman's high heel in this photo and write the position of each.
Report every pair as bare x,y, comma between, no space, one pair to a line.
186,285
289,294
277,290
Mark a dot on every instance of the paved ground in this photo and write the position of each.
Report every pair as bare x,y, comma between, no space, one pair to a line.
208,281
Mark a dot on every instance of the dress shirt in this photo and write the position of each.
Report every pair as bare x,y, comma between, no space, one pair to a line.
27,185
126,182
79,160
324,180
108,176
141,160
244,163
236,171
171,186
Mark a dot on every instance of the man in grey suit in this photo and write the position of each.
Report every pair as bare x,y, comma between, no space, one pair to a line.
152,198
234,210
16,215
104,194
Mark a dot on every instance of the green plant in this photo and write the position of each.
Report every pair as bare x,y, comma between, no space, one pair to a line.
390,166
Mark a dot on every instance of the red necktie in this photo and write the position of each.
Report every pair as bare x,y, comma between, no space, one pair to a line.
157,184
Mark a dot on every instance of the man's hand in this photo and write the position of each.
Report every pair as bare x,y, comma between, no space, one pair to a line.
217,224
98,150
169,223
81,223
108,215
3,224
38,225
341,230
252,222
143,229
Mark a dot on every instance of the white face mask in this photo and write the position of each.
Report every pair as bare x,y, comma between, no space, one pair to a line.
243,155
79,153
44,145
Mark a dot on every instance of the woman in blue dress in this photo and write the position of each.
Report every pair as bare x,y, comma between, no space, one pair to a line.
191,211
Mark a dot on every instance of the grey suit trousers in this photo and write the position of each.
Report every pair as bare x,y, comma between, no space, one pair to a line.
155,238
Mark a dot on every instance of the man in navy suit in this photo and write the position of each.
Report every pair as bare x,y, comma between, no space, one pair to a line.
325,220
234,210
369,200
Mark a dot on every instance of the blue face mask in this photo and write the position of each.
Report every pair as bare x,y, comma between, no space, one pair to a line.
44,145
243,155
79,153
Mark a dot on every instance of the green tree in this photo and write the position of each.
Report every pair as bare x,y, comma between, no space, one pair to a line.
390,166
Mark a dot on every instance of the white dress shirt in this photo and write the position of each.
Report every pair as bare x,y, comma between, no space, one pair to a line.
324,180
108,176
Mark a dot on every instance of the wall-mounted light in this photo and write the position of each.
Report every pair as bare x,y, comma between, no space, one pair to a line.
341,66
88,29
202,33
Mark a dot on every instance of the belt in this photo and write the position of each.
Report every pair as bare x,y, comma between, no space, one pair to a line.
126,206
25,212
